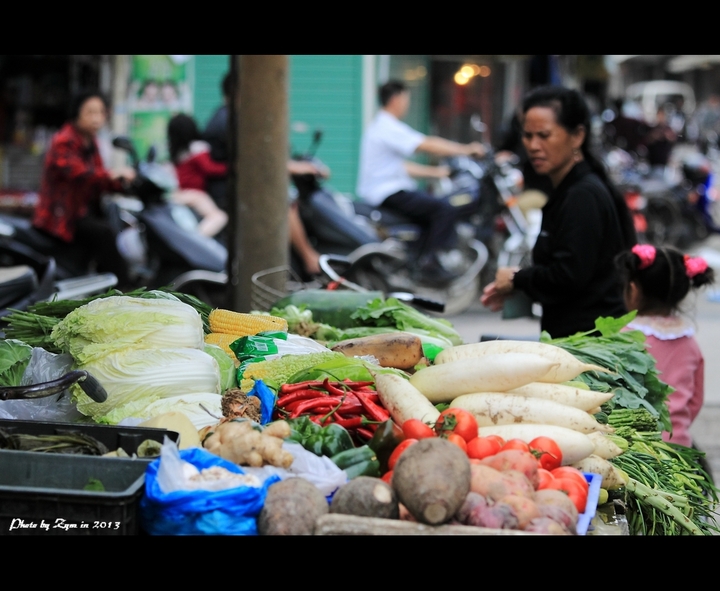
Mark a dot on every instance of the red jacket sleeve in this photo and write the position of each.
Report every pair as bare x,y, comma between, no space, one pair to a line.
210,167
66,162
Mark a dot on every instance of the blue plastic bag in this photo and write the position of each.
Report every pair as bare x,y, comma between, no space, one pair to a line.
267,401
200,512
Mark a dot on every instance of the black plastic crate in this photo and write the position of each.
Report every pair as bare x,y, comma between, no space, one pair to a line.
44,494
113,436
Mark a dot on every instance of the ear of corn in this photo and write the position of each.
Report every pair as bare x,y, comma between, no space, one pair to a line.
223,341
242,325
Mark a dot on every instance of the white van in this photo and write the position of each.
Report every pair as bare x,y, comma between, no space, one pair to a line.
652,95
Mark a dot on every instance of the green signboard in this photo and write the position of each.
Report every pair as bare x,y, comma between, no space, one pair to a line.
160,86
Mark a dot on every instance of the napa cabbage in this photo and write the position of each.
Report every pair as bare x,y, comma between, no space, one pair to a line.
113,324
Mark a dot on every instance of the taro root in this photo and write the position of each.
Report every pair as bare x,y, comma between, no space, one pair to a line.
367,497
292,507
432,479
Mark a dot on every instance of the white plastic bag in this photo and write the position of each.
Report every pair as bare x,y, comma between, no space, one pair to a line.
43,367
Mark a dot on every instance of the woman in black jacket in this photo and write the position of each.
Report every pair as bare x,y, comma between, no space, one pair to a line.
586,222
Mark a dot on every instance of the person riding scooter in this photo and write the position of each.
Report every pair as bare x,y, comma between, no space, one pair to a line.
386,177
73,181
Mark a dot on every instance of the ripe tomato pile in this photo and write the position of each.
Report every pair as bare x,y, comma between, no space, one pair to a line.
460,427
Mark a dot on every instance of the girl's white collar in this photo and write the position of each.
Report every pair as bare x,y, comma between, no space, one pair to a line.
665,328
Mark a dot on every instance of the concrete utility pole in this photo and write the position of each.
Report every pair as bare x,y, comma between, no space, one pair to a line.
259,142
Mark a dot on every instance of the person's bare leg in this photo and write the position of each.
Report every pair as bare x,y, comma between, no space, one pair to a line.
299,241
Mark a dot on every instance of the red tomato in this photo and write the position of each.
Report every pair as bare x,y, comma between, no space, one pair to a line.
387,477
457,440
497,438
458,421
545,477
572,473
578,495
416,429
482,447
397,452
516,444
547,451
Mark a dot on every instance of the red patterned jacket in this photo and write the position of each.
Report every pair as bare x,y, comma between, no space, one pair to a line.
73,181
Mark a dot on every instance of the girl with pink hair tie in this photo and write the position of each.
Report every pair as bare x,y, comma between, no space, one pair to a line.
656,282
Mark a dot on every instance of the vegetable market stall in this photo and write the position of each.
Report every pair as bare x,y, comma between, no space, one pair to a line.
383,422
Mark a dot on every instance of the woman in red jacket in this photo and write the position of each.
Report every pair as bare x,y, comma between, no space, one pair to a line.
73,181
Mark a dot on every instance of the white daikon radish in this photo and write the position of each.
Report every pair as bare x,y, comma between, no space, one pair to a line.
500,408
491,373
568,366
586,400
403,400
611,477
605,447
574,446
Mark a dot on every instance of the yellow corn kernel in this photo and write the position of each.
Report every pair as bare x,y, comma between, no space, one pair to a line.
223,341
237,323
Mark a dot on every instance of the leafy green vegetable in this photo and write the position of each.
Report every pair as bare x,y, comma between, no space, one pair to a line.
341,368
393,312
635,383
14,358
276,372
35,325
113,324
135,378
668,492
228,373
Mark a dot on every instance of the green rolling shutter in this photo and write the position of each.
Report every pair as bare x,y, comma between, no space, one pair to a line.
326,93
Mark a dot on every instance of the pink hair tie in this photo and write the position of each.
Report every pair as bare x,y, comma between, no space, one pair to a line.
646,254
694,266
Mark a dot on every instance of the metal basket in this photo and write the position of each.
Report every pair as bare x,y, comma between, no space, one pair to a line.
262,296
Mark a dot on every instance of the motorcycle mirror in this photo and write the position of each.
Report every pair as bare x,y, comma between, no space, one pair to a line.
317,136
477,124
124,143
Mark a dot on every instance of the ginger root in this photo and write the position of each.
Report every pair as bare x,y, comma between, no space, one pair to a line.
243,443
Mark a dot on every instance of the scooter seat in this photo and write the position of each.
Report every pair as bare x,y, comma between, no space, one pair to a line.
15,283
382,215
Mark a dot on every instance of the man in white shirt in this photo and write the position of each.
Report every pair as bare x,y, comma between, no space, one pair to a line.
386,176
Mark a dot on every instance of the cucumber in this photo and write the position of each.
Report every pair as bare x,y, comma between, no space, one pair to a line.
330,307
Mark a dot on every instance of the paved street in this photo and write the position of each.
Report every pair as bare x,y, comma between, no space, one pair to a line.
477,321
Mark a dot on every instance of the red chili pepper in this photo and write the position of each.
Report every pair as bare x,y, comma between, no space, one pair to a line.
366,433
352,423
299,395
357,385
376,413
288,388
306,405
333,389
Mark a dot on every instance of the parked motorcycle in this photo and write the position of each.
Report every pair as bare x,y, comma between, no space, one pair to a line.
28,276
676,211
375,248
159,239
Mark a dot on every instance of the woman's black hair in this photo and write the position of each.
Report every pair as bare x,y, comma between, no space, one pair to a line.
665,282
572,111
182,131
79,99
